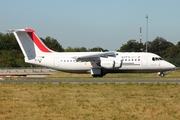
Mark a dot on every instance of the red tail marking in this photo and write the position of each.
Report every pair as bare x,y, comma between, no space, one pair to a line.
36,40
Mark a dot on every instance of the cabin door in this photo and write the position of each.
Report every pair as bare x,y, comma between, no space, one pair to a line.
56,62
144,61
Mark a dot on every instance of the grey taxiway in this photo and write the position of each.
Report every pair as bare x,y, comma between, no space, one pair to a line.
89,81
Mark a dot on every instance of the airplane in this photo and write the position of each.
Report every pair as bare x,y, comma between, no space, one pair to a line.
97,63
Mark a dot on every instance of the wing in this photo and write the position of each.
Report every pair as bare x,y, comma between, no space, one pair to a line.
93,56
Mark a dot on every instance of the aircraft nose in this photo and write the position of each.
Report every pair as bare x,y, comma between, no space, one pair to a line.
171,66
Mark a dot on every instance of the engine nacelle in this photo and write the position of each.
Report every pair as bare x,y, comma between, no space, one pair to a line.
111,64
118,63
108,64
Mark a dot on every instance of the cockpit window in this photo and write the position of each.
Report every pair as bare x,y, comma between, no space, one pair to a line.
156,59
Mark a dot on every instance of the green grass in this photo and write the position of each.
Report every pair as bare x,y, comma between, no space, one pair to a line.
66,101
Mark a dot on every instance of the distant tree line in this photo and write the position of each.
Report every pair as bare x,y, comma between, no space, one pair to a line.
11,55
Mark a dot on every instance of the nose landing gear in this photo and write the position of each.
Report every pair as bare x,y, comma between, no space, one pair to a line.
161,74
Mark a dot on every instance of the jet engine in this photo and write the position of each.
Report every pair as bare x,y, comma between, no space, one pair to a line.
111,64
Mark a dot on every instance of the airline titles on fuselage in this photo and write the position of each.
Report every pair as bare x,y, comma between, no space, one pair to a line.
130,58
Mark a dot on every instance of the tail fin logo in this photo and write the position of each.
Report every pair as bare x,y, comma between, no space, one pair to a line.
37,40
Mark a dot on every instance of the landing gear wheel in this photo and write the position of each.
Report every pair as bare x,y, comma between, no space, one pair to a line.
95,75
162,74
98,75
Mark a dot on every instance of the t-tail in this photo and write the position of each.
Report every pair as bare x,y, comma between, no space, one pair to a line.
30,44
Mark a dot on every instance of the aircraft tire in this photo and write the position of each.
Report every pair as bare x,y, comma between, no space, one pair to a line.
95,75
98,75
162,74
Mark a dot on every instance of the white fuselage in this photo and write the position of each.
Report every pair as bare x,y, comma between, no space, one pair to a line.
131,62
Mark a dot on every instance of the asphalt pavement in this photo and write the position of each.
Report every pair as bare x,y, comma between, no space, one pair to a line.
89,81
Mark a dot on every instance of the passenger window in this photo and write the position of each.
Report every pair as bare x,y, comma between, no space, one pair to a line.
138,59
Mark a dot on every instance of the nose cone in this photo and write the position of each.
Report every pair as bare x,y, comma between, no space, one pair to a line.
169,66
172,66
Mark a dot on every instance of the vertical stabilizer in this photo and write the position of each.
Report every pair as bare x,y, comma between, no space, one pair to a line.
30,43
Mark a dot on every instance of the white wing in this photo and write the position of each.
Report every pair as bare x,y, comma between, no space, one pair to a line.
93,56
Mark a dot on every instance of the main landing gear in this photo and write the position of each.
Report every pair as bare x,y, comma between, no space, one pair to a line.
98,72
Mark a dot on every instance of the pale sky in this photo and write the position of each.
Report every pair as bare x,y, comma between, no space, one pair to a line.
91,23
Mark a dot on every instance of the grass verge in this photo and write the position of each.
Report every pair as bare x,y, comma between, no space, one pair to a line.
47,101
